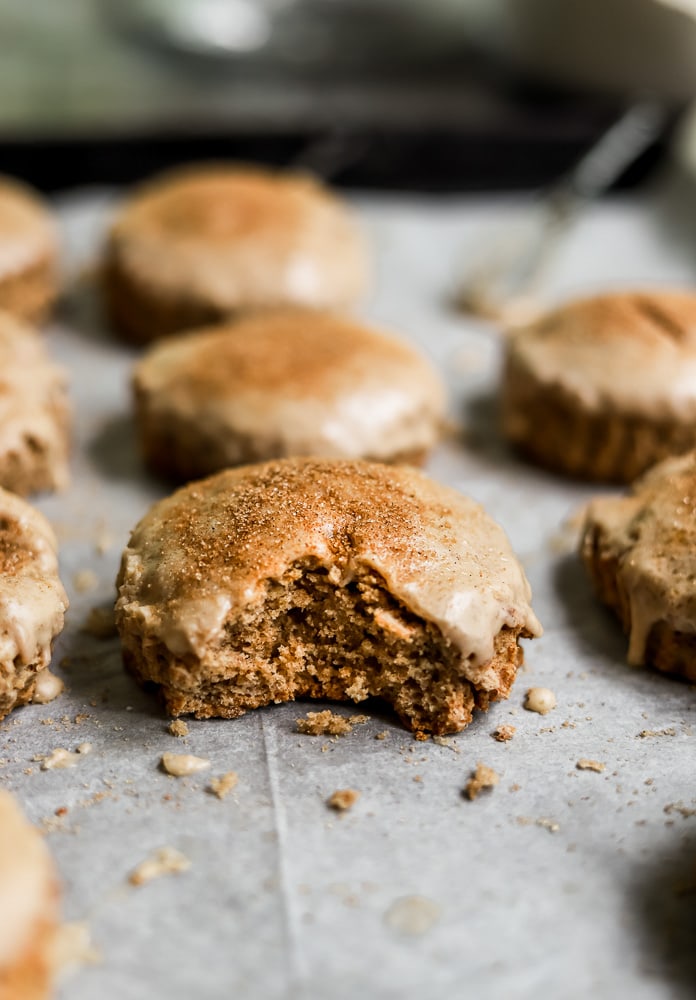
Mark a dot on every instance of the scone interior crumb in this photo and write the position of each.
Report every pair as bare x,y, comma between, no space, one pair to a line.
311,637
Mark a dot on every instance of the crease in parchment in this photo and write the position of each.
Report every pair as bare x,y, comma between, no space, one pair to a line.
297,971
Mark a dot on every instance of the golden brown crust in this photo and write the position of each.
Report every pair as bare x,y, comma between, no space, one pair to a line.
603,388
282,383
30,294
204,243
554,432
667,649
639,552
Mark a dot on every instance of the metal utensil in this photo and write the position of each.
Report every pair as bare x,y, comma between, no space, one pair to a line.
505,281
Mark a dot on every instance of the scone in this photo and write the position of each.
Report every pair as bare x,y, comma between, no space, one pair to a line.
32,599
28,253
28,907
323,579
282,383
200,244
34,413
603,388
640,551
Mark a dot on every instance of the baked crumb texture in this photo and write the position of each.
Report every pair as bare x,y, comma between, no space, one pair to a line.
591,390
343,799
310,638
639,552
268,591
326,723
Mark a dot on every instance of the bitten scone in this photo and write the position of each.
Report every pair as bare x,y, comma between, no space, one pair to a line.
34,413
200,244
326,579
282,383
28,907
28,253
603,388
640,551
32,599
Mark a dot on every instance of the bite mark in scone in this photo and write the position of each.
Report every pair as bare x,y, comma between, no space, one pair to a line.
32,599
325,579
639,551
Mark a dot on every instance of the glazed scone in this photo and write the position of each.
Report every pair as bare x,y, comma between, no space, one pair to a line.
603,388
282,383
200,244
28,253
34,413
640,551
32,599
324,579
28,907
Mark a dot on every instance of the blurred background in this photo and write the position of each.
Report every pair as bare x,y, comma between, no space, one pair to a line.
436,95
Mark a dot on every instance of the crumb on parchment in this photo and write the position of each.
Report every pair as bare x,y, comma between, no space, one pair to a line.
540,699
504,733
326,723
484,777
223,785
164,861
180,765
58,759
343,799
177,727
585,764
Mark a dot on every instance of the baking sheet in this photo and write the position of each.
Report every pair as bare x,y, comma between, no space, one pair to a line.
558,882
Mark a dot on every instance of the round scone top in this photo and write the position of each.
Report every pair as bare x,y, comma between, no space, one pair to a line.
641,551
627,352
235,237
27,232
282,383
32,599
34,412
28,888
205,555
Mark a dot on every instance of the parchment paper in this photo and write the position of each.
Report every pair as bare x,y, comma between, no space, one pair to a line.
558,882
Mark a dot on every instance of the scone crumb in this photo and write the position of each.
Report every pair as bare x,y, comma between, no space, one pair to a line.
358,720
100,622
383,735
343,798
58,759
223,785
540,699
84,748
84,580
47,688
165,861
646,733
483,777
177,727
585,764
504,733
326,723
179,765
